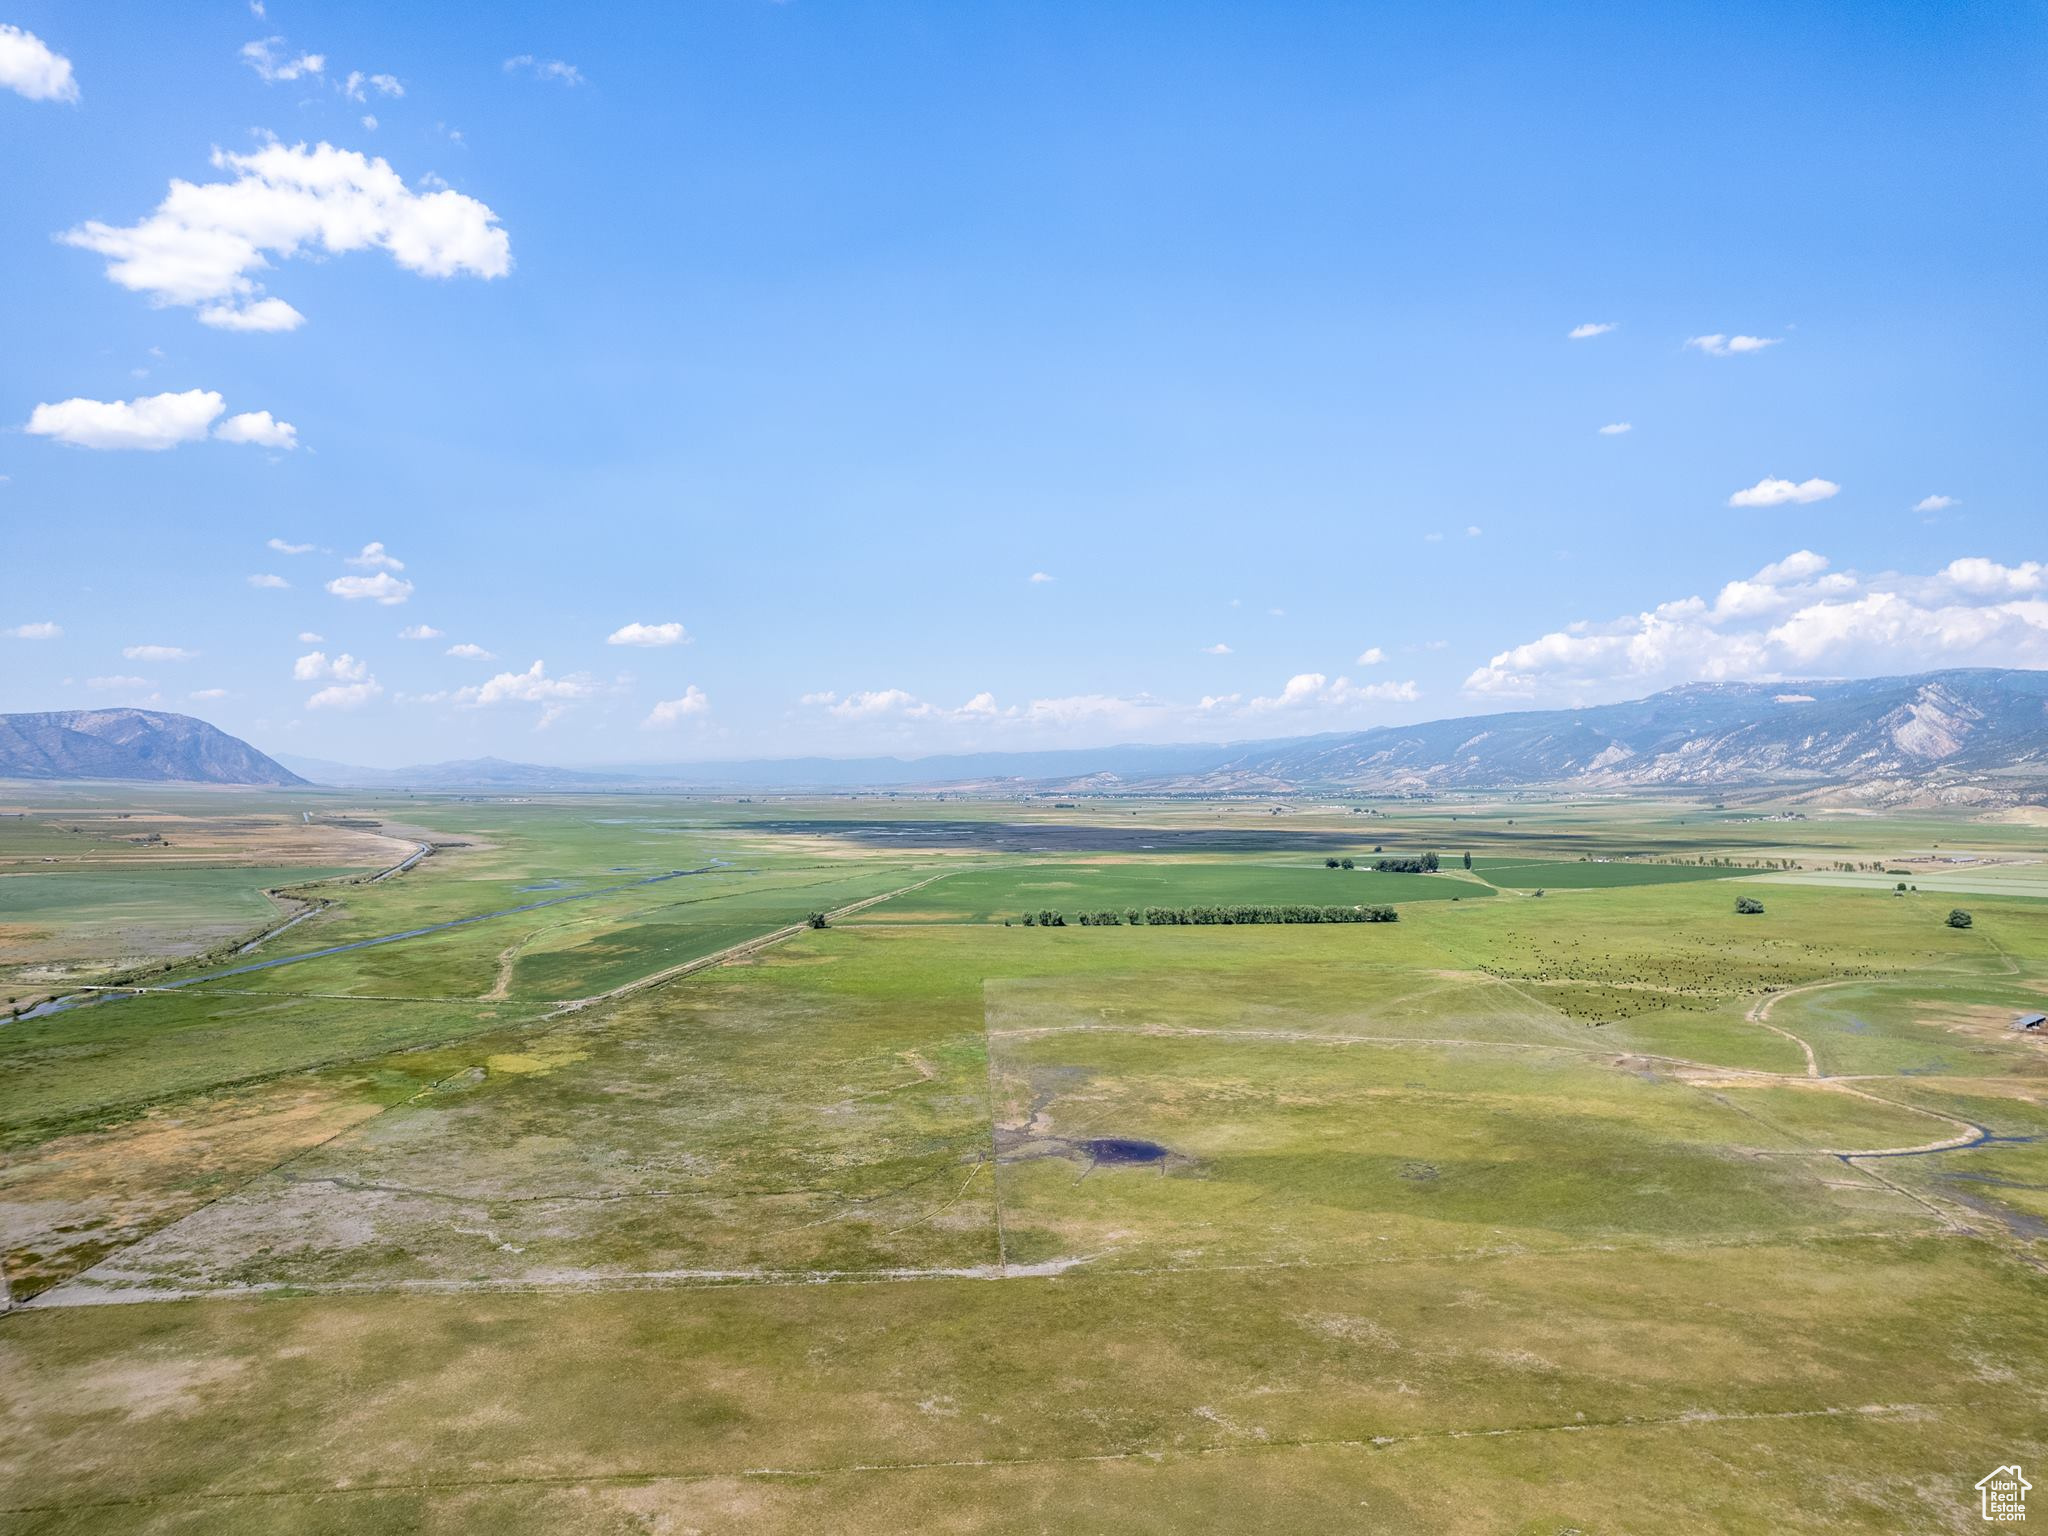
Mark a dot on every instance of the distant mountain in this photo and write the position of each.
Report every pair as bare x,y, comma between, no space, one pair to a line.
1980,728
130,744
1978,735
471,773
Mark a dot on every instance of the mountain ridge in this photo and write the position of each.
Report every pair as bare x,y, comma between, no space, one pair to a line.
134,744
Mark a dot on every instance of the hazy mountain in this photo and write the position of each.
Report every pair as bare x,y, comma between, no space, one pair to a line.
470,773
130,744
1982,727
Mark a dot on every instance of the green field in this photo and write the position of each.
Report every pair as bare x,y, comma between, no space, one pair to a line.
1516,1214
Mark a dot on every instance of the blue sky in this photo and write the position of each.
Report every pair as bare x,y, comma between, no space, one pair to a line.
804,336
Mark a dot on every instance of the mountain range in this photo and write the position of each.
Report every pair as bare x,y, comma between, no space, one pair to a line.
130,744
1975,735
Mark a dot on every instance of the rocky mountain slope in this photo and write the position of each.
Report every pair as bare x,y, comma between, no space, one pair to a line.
1981,727
130,744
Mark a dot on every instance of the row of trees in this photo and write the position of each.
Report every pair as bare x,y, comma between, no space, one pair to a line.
1410,864
1204,917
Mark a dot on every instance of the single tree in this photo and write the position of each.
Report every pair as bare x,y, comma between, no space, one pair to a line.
1958,918
1748,905
816,919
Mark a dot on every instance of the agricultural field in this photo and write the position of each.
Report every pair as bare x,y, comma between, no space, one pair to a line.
570,1179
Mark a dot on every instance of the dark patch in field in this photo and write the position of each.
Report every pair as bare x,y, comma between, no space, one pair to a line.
1120,1149
1418,1173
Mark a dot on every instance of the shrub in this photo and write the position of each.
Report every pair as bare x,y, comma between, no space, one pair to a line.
816,919
1748,905
1206,917
1958,918
1330,863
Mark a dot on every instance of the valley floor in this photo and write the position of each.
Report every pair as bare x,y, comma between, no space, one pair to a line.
1599,1209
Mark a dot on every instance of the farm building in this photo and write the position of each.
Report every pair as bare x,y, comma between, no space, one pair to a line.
2036,1022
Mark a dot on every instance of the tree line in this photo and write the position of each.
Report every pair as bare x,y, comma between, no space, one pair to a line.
1204,917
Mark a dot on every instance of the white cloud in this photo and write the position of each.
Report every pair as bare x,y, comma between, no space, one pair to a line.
533,686
1371,656
260,429
1775,493
203,695
121,684
1472,531
150,423
346,695
1718,345
275,64
307,637
1792,617
358,85
288,549
157,653
1039,578
824,696
29,67
382,588
375,557
1218,649
648,635
1616,428
554,70
370,121
675,711
1988,578
471,652
1589,330
41,629
204,239
1935,503
317,666
419,631
1314,690
262,315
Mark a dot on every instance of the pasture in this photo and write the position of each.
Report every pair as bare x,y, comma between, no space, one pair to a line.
1610,1210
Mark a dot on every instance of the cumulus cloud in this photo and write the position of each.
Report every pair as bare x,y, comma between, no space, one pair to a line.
1371,656
1935,503
203,241
1314,690
275,64
206,695
1718,345
1775,493
153,423
1038,578
533,686
1793,617
648,635
150,424
260,429
471,652
318,666
418,631
307,637
118,684
157,653
1616,428
288,549
30,67
40,629
675,711
269,582
1589,330
382,588
346,695
1218,649
375,557
260,315
555,71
